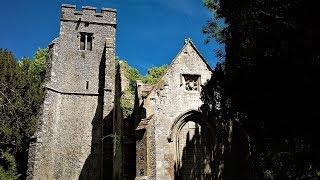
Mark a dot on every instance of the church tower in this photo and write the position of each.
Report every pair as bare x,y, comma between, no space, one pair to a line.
79,98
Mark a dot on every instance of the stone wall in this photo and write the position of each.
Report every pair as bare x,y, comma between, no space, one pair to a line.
124,156
82,132
79,98
169,100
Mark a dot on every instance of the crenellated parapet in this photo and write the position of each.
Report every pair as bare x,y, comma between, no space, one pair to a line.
88,14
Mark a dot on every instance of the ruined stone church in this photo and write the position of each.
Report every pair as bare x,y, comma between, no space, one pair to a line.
82,133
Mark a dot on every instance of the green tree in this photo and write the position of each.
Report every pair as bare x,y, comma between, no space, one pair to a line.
154,74
132,75
127,98
9,171
21,95
271,69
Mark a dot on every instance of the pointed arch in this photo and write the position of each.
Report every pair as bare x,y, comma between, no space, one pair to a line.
203,132
182,119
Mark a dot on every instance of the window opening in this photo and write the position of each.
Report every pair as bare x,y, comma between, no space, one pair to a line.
86,41
191,82
82,41
89,42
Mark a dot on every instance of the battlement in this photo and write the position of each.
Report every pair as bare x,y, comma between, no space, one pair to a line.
88,14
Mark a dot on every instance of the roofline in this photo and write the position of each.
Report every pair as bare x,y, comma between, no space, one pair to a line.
202,57
186,41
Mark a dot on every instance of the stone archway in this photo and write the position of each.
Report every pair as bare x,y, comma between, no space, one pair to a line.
193,139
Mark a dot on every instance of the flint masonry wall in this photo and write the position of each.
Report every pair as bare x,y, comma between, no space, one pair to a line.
166,102
174,101
171,101
79,98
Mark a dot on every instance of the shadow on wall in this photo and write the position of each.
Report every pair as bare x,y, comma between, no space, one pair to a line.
98,164
195,161
123,132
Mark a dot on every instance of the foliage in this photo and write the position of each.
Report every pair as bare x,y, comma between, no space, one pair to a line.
127,98
38,65
127,102
154,74
21,95
10,171
271,71
214,28
132,75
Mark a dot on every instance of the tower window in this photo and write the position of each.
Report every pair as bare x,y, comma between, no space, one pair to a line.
82,42
89,42
86,41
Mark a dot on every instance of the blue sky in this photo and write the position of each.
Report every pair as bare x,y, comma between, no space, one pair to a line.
149,32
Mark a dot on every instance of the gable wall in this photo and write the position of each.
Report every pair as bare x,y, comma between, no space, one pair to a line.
169,101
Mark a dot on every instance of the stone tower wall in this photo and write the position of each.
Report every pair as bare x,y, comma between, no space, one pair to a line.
79,98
